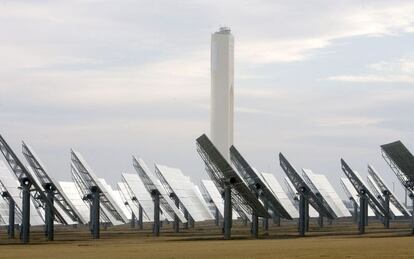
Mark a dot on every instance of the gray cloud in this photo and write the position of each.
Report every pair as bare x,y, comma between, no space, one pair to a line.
112,79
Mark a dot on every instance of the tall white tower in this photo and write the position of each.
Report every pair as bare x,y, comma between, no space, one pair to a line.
222,90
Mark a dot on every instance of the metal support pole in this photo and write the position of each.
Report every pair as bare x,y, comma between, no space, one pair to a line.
11,226
355,211
176,224
362,212
320,220
49,213
89,197
387,209
255,223
307,218
302,214
412,213
186,216
46,221
140,218
266,220
266,224
366,211
133,220
227,213
96,210
217,217
156,196
276,220
25,184
191,221
405,197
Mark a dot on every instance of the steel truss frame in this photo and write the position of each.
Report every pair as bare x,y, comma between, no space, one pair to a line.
315,190
169,190
384,188
86,192
6,195
133,198
224,176
317,202
404,179
256,184
144,173
46,180
358,185
23,173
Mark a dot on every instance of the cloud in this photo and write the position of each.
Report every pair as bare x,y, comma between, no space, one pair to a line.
338,24
270,50
403,65
260,93
373,78
114,78
248,110
398,71
186,78
340,121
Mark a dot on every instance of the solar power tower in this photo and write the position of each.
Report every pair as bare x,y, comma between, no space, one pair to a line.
228,182
401,162
307,196
184,194
29,187
385,190
159,195
365,197
259,188
99,194
140,197
321,186
53,191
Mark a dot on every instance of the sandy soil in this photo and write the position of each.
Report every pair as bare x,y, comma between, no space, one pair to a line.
335,241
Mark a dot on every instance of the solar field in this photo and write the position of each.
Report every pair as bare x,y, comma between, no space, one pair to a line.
339,240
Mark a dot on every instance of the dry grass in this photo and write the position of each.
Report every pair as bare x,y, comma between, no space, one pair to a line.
335,241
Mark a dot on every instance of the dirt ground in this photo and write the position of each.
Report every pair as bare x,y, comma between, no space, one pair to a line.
205,241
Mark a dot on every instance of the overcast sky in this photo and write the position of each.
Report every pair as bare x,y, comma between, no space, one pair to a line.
316,80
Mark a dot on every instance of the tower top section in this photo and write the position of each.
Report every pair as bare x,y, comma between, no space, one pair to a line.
224,30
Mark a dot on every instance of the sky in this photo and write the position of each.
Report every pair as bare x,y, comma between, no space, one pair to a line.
315,80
